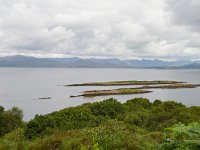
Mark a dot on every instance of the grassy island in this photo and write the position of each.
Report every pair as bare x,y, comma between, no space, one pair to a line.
121,91
130,82
170,86
136,90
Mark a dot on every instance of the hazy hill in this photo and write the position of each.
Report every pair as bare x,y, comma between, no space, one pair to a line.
188,66
75,62
22,61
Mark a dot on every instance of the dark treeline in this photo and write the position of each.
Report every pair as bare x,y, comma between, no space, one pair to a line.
137,124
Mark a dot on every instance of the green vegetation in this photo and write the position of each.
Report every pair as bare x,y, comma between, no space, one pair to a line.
131,82
136,90
170,86
112,92
183,137
10,120
137,124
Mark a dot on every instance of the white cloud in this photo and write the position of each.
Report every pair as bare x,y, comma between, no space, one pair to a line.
114,28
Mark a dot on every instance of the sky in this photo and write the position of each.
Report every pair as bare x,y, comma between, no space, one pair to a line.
163,29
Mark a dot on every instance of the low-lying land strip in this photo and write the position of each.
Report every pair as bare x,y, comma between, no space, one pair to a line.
45,98
136,90
121,91
170,86
130,82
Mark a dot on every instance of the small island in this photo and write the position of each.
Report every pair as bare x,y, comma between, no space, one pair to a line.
143,85
43,98
170,86
121,91
129,82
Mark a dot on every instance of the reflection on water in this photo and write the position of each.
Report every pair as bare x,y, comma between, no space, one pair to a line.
23,86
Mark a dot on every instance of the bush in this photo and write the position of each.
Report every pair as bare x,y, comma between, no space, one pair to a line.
137,103
110,107
133,119
13,140
74,118
10,120
182,137
67,119
137,124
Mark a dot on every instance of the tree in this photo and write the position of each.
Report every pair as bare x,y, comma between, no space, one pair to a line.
10,120
110,107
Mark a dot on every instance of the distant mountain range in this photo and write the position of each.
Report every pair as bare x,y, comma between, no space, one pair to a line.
75,62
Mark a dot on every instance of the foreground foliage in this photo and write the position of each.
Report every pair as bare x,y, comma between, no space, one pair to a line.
137,124
10,119
182,137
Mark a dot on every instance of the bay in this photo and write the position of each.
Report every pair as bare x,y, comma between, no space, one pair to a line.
22,87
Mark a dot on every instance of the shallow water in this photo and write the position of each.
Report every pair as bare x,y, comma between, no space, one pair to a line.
22,87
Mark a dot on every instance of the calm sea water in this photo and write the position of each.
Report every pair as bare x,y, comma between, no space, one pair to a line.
22,87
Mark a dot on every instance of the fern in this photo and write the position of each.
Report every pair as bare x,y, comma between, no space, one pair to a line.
182,136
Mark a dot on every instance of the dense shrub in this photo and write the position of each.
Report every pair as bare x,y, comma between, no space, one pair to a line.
10,119
74,118
182,137
67,119
138,103
13,140
137,124
110,107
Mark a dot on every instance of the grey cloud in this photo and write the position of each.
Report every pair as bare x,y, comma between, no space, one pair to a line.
185,12
115,28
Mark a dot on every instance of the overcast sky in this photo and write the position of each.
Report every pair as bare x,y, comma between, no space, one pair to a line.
166,29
